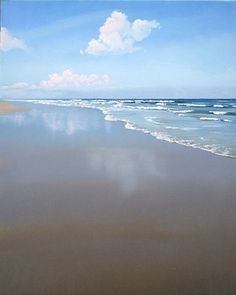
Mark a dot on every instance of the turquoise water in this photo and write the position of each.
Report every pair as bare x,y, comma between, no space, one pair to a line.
200,123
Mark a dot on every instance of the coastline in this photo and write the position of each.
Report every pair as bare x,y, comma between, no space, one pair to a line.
217,146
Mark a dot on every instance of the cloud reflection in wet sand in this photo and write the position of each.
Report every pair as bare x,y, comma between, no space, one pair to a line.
55,120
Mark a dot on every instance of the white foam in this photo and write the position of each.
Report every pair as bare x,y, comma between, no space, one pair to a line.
127,100
159,108
166,101
192,105
181,111
218,106
109,117
218,112
161,103
129,125
209,119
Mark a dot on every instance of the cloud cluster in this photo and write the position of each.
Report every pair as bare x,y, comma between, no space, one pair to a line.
65,80
8,42
119,35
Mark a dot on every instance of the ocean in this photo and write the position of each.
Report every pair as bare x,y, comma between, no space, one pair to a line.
207,124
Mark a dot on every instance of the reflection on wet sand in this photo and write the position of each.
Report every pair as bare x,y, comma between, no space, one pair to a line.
56,120
88,207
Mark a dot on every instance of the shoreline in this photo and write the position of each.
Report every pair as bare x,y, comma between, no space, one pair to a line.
126,124
129,125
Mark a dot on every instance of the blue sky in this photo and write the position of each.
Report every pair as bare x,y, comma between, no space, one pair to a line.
164,49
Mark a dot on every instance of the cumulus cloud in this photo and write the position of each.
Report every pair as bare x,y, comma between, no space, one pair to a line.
65,80
8,42
119,35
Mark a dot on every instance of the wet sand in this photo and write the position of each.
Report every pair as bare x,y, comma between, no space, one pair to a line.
105,210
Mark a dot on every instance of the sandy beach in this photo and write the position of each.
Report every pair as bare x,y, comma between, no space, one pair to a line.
89,207
8,107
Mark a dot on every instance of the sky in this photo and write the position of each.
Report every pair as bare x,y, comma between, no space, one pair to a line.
112,49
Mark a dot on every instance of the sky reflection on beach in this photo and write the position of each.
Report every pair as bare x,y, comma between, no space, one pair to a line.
54,119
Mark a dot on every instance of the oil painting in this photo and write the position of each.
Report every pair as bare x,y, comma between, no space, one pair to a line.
118,147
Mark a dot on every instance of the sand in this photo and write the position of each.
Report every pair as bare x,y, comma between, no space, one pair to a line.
8,107
106,210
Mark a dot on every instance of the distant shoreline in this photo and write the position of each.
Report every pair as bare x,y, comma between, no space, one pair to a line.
8,107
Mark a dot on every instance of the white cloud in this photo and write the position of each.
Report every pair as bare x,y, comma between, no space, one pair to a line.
8,42
70,79
65,80
19,85
119,35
